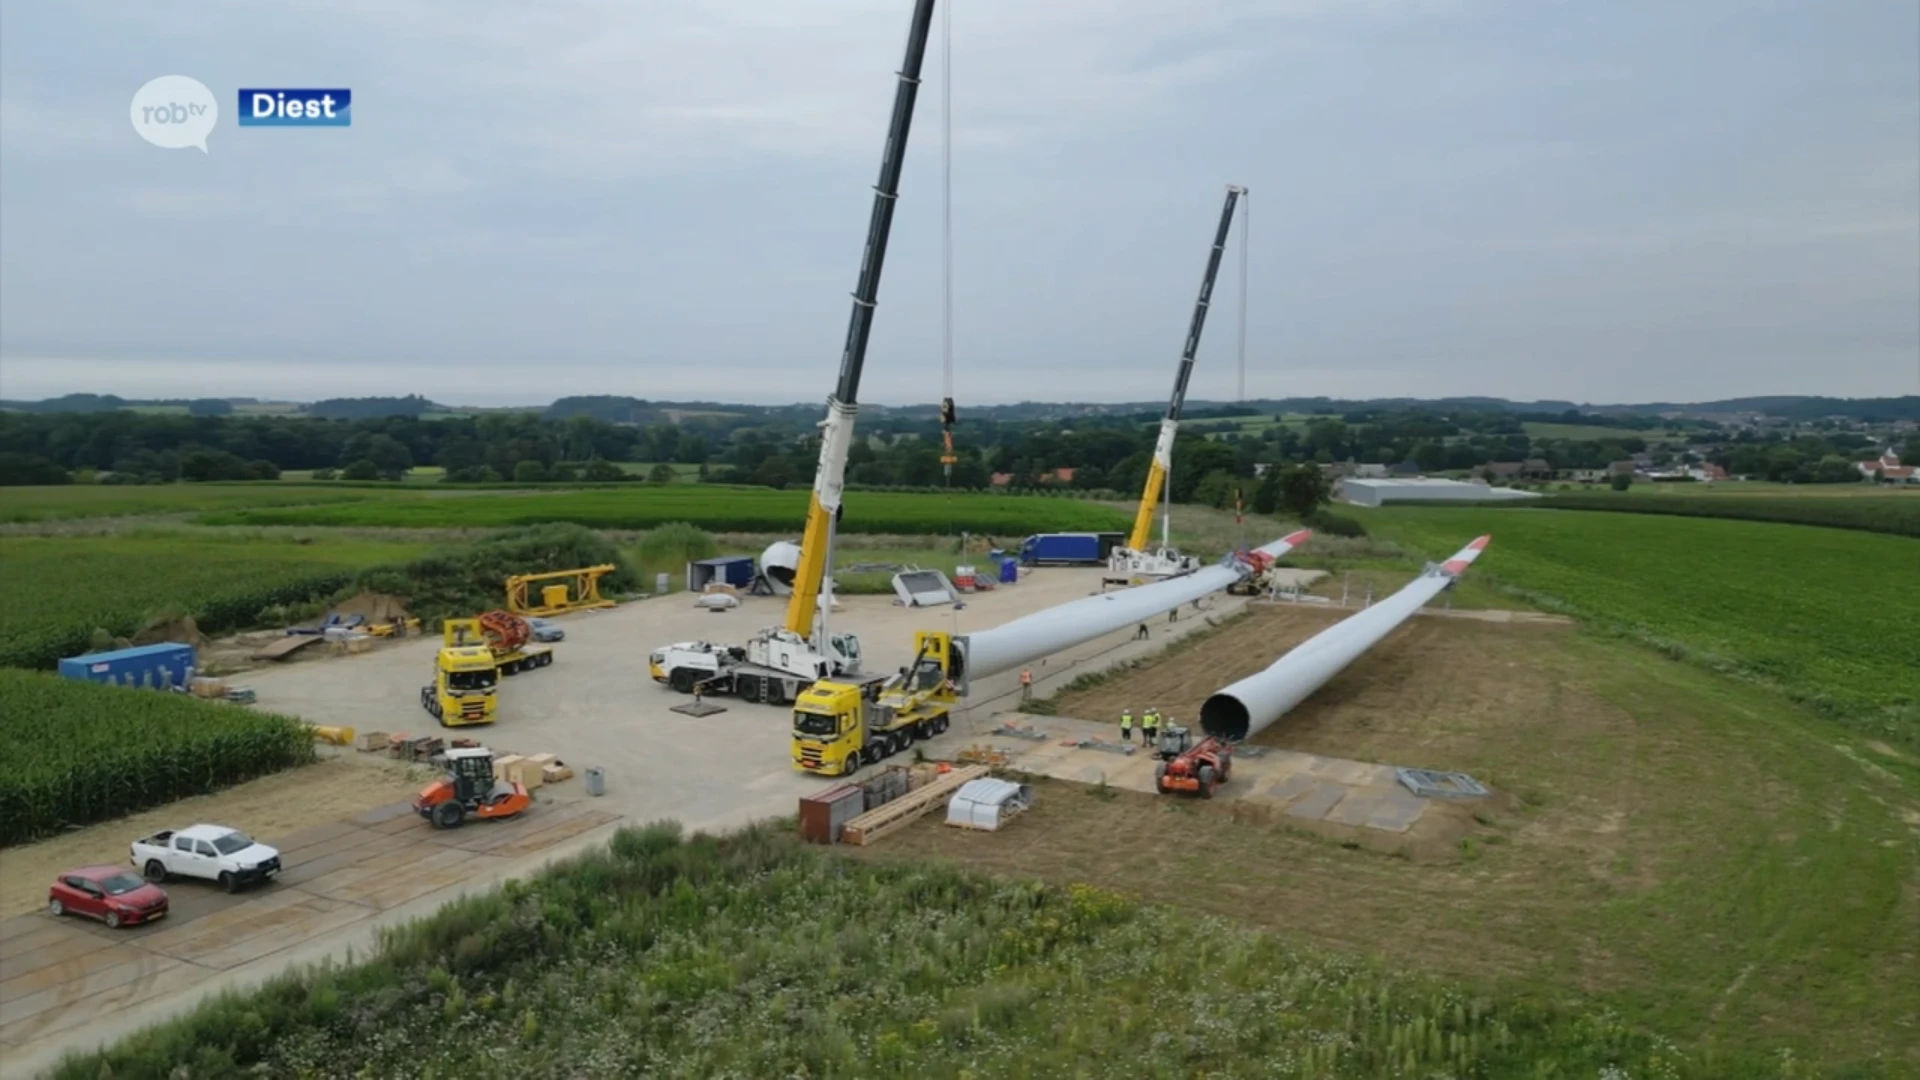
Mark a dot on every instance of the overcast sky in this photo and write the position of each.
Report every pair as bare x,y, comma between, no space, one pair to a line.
1621,201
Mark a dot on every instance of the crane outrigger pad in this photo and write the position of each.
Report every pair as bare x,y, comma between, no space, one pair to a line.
698,708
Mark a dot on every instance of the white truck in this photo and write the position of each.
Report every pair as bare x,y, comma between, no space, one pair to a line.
213,852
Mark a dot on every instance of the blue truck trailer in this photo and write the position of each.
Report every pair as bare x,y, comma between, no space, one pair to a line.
163,666
1069,549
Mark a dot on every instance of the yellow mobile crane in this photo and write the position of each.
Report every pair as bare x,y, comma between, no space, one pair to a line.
1135,562
778,662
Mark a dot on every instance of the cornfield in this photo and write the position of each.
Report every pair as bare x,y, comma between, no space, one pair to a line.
59,591
80,752
708,506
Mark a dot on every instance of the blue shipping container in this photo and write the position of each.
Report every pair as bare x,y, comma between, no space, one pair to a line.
154,666
734,570
1061,548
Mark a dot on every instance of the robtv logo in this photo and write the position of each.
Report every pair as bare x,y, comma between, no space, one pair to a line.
174,112
296,108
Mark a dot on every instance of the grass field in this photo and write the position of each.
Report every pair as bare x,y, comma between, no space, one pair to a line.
744,509
60,590
1896,514
1823,615
20,504
1696,854
737,957
80,752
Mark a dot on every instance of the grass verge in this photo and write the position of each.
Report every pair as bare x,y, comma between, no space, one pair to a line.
736,956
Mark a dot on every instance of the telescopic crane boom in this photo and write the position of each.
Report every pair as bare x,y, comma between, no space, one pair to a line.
829,481
778,662
1163,448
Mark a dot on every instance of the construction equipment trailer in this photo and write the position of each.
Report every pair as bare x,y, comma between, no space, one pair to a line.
779,661
1135,563
474,655
841,725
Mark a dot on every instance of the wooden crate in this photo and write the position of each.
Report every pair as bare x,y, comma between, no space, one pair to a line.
372,740
908,808
555,773
503,766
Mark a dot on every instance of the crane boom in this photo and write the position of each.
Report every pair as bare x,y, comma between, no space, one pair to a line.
1163,448
829,481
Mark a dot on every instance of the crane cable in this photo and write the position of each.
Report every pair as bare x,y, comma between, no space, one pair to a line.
947,458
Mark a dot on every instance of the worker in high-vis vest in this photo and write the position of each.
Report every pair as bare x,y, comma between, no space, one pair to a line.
1150,726
1126,725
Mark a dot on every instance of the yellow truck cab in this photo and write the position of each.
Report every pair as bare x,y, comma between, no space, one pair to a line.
838,725
464,682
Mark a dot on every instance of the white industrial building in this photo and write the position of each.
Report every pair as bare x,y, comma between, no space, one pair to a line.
1422,489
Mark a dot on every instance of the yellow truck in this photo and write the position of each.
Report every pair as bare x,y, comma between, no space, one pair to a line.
839,725
463,688
475,654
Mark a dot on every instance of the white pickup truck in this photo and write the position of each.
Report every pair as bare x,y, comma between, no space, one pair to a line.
214,852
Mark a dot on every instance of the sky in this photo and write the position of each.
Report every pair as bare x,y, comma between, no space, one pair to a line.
1629,201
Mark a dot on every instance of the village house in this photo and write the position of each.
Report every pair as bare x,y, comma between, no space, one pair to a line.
1887,468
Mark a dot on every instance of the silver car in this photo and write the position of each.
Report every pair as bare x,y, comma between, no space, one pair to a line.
545,630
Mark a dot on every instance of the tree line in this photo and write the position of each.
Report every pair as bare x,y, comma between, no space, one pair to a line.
1217,454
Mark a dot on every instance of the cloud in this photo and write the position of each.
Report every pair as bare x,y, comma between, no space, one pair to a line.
665,198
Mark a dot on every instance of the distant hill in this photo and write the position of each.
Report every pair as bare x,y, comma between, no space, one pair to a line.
629,410
88,403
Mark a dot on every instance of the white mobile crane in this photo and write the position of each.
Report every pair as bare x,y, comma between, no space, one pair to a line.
1135,563
780,662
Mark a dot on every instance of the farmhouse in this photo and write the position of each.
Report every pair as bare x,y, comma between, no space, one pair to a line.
1888,469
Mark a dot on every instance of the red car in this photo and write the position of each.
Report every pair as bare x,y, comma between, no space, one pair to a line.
113,894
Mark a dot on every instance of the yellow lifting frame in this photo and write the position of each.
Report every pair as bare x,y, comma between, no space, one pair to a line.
582,585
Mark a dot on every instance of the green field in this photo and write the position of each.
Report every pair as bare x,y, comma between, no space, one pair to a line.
1825,615
19,504
60,590
712,507
752,956
79,752
1886,513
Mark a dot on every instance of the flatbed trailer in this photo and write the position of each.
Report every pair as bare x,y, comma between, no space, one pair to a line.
769,685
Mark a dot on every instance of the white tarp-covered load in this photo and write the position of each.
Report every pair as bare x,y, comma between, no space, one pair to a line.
923,588
987,803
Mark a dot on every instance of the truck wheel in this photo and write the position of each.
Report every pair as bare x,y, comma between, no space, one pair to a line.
1206,781
228,882
851,765
681,679
940,725
156,871
546,659
448,814
750,689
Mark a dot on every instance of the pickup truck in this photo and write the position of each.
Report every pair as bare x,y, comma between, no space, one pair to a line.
213,852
